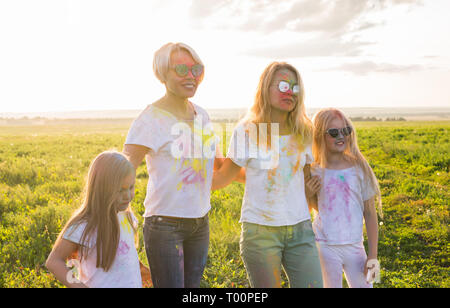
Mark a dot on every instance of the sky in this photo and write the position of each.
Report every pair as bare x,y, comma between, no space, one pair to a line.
70,55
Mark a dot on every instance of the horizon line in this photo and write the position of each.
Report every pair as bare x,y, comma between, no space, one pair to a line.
224,108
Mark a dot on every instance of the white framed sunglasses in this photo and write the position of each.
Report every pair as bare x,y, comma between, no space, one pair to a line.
285,86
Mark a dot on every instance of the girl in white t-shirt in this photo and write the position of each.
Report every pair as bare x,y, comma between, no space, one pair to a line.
273,144
346,190
100,235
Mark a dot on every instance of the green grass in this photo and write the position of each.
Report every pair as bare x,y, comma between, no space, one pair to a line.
42,172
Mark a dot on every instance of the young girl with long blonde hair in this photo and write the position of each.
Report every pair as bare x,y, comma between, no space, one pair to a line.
273,144
347,193
101,232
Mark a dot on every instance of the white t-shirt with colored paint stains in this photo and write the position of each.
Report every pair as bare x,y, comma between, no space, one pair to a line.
341,205
179,163
125,271
274,188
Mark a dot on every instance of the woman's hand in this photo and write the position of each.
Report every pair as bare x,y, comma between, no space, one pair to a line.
224,175
218,162
241,176
312,187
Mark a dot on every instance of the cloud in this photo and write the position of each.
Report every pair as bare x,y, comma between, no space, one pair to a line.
266,16
317,28
419,2
201,9
333,17
317,47
368,67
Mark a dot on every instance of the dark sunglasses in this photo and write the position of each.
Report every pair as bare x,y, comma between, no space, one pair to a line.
285,86
334,132
182,70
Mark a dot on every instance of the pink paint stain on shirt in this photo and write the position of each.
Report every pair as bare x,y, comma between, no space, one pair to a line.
123,248
193,172
190,176
338,190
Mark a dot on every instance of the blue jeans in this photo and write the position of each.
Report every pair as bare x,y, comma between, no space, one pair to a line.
177,249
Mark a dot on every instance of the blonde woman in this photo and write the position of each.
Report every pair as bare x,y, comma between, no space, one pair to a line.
101,232
273,143
175,137
347,190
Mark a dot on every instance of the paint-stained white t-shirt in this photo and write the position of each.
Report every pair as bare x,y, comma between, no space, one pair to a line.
179,163
274,188
341,205
125,271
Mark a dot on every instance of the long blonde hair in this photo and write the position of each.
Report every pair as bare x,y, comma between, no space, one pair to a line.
99,209
260,111
321,122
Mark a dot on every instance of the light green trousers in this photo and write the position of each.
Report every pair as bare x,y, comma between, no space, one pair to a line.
265,250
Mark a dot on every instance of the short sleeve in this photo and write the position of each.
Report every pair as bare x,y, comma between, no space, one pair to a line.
75,232
238,150
152,128
142,133
366,187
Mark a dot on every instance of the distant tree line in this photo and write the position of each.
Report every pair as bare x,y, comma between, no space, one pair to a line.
42,120
25,121
396,119
366,119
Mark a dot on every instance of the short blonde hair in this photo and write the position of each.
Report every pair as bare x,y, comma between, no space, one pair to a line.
161,59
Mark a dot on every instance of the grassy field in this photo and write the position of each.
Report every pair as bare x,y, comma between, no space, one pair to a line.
43,167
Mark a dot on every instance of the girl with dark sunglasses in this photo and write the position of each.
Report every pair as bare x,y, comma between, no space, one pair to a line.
345,189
